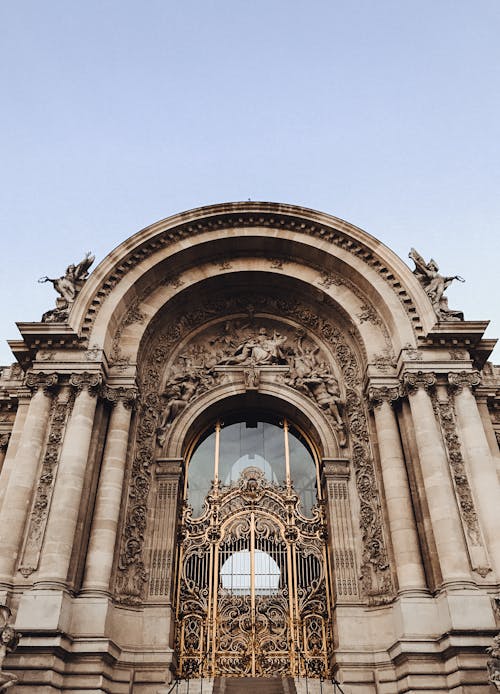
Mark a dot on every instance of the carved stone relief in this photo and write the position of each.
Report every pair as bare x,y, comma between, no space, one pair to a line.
446,417
289,358
60,411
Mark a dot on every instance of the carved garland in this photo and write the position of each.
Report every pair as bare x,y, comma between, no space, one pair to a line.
249,219
376,577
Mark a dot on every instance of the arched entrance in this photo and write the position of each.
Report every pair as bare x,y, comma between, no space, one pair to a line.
253,597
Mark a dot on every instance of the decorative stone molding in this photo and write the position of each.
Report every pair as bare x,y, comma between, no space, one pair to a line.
463,379
377,396
61,409
4,441
38,379
475,542
494,663
413,380
246,218
86,380
127,395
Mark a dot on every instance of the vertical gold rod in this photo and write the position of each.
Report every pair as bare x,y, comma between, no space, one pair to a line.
217,449
287,454
296,600
252,586
291,618
211,614
215,574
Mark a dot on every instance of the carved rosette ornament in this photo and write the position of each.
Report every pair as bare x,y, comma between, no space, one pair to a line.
414,380
377,396
249,337
39,379
463,379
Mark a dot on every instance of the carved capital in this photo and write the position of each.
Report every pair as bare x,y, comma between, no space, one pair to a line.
127,395
86,380
463,379
39,379
377,396
414,380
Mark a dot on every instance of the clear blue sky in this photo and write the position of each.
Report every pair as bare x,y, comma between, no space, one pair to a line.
117,113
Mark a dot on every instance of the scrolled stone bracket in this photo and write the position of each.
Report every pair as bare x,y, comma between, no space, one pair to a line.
128,395
86,380
415,380
39,379
378,395
458,380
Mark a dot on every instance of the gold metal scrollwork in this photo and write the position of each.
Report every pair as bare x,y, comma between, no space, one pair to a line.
272,614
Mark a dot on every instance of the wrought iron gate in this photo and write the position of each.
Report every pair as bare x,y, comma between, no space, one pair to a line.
253,595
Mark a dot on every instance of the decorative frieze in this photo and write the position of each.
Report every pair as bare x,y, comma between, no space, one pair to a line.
494,662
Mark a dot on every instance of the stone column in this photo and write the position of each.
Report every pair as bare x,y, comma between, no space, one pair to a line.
443,510
335,483
479,459
23,475
61,525
398,500
109,492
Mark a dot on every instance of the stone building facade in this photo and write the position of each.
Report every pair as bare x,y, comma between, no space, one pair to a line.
252,441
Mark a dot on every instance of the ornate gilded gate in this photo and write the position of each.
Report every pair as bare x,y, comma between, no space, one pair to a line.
253,597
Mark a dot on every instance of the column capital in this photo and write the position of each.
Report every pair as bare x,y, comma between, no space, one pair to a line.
39,379
414,380
126,394
86,380
458,380
378,395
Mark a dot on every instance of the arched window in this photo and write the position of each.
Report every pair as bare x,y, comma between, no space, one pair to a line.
275,447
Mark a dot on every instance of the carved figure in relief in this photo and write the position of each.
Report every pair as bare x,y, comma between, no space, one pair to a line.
67,287
325,389
178,394
258,349
9,639
435,285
